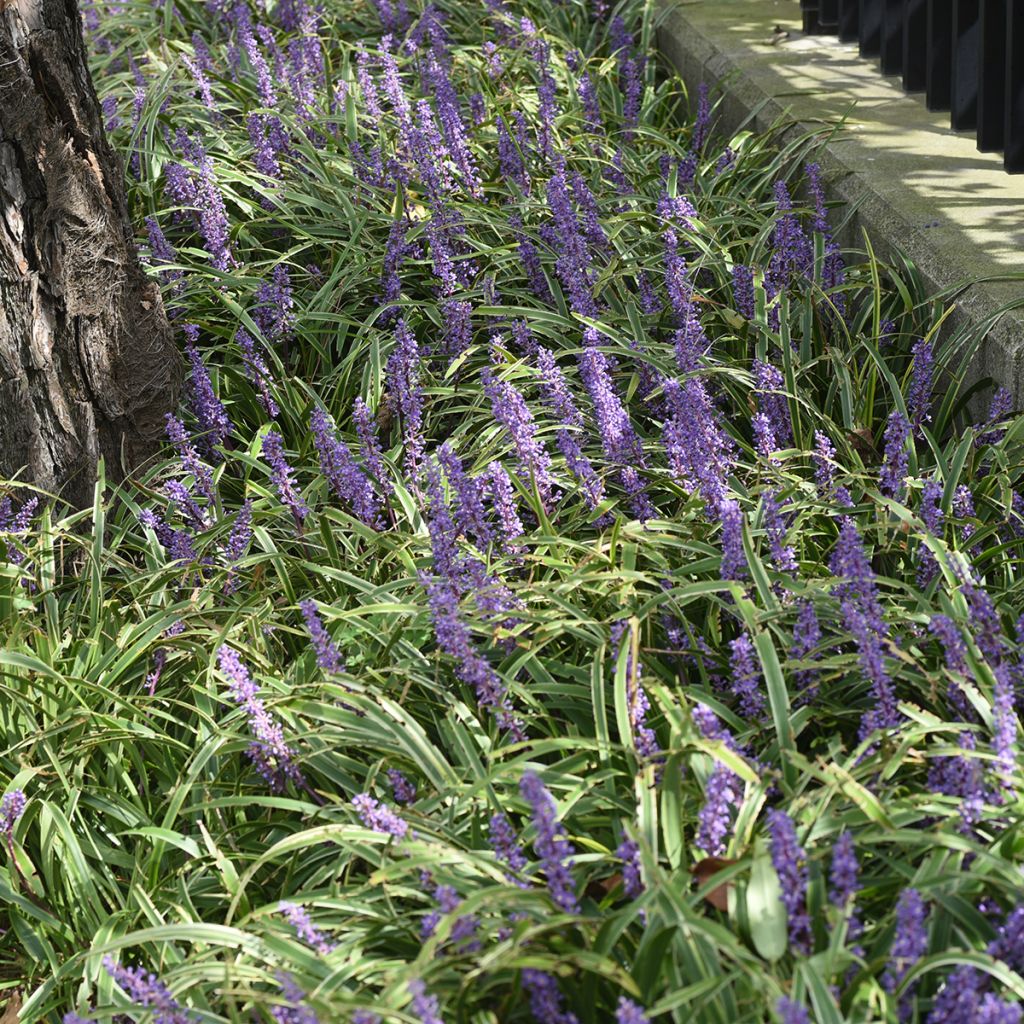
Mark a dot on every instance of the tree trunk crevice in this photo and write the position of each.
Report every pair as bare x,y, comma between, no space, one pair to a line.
87,360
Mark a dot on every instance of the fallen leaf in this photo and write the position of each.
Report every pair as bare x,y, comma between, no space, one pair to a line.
600,887
12,1008
706,869
863,440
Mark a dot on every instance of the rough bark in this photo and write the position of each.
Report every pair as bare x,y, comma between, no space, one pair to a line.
87,360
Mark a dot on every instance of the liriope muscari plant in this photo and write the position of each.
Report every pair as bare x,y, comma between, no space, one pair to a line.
576,589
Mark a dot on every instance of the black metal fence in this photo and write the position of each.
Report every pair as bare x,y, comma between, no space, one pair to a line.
966,56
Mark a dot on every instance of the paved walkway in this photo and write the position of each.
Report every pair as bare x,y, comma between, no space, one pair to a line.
917,184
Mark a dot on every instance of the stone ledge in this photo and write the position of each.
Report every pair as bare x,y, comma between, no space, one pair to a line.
913,184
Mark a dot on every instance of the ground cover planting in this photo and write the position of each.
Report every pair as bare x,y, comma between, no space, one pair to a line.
574,589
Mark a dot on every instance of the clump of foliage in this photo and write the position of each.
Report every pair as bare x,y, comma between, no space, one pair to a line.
575,588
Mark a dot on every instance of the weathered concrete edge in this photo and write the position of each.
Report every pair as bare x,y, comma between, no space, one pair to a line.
698,59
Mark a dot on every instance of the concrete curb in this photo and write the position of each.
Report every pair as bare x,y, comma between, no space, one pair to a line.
915,185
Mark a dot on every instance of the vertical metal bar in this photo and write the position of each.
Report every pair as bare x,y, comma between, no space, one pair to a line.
828,15
964,82
809,10
892,37
992,74
870,27
849,19
1013,133
939,59
915,43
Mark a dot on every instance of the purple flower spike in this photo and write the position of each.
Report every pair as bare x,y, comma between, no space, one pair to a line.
327,655
627,1012
373,457
238,542
771,401
403,377
511,411
743,290
894,467
632,875
909,944
734,559
934,519
746,677
339,468
269,752
558,398
1000,409
546,998
376,816
863,618
257,371
147,991
1004,725
845,872
790,863
295,1009
699,451
274,313
619,440
920,394
506,507
722,794
806,638
424,1006
214,424
454,638
162,253
824,459
402,789
551,845
471,517
954,649
574,263
282,475
11,809
790,1012
190,460
298,917
197,189
1008,945
964,1001
504,842
782,554
791,250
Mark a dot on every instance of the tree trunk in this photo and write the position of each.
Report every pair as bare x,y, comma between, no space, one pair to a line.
87,360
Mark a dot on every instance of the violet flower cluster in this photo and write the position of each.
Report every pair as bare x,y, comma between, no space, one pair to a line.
723,791
546,1000
283,476
269,752
512,412
909,944
298,917
378,817
148,992
790,863
550,843
328,657
342,472
12,807
863,618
